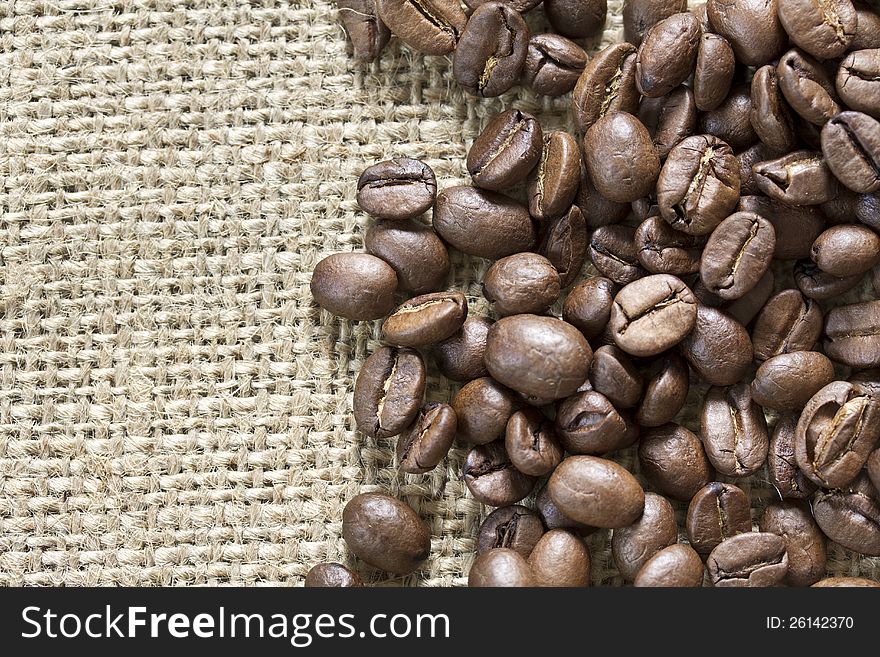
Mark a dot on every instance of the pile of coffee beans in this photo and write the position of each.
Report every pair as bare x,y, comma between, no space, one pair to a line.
700,228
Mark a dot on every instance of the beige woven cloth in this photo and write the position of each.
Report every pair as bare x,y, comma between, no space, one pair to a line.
174,409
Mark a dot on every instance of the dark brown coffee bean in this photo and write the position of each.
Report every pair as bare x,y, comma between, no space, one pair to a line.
431,27
428,439
673,461
787,323
553,183
522,6
483,223
842,208
597,492
807,87
796,226
332,575
787,382
491,51
460,357
506,151
397,189
816,284
608,84
640,15
521,283
747,307
847,582
652,314
621,158
388,391
565,245
675,566
824,29
752,155
491,477
804,541
633,546
699,185
426,319
669,118
501,567
665,393
719,348
385,532
853,334
868,210
597,210
782,467
858,80
483,407
576,18
553,64
357,286
667,54
751,26
734,431
771,117
614,375
664,250
531,443
713,71
366,31
716,512
737,254
799,178
754,559
587,423
417,255
588,306
851,516
731,121
846,250
851,146
867,27
560,559
613,252
514,527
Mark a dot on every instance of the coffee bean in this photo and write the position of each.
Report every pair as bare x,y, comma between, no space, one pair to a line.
608,84
846,582
587,423
796,226
804,541
388,391
596,491
737,254
597,210
734,431
868,379
431,27
368,34
460,357
787,323
640,15
500,567
357,286
868,210
553,518
731,121
483,223
675,566
807,87
483,407
613,374
771,117
428,439
521,283
669,118
755,559
858,79
491,477
506,151
824,29
782,467
846,250
531,443
787,381
613,251
867,28
514,527
565,245
713,71
553,64
716,512
667,54
417,255
751,26
699,185
385,532
576,18
397,189
633,546
799,178
719,348
853,334
752,155
819,285
588,306
747,307
331,574
842,208
673,461
426,319
836,432
560,559
652,315
664,250
522,6
518,350
851,516
553,183
851,146
620,157
665,393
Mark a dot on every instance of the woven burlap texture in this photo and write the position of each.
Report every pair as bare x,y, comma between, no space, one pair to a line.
174,409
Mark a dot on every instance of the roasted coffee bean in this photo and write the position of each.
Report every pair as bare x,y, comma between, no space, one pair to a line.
782,467
608,84
652,314
483,223
597,492
816,284
787,323
357,286
719,348
522,6
669,118
588,306
836,432
621,158
428,439
501,567
531,443
576,18
737,254
633,546
799,178
521,283
846,250
851,516
872,467
751,26
565,245
868,210
730,121
640,15
597,210
673,461
747,307
417,255
430,26
553,518
368,34
713,71
331,574
587,423
752,155
807,87
851,146
787,382
667,54
665,392
560,559
553,64
868,379
734,431
614,375
397,189
852,334
824,29
385,532
388,391
506,151
540,356
846,581
842,208
553,183
675,566
491,477
491,51
460,357
796,226
613,251
716,512
426,319
483,407
699,184
755,559
514,527
858,80
804,541
664,250
771,117
867,28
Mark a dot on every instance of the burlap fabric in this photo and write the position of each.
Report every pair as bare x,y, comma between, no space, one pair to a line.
174,409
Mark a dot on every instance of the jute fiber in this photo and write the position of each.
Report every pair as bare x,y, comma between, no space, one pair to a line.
174,409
